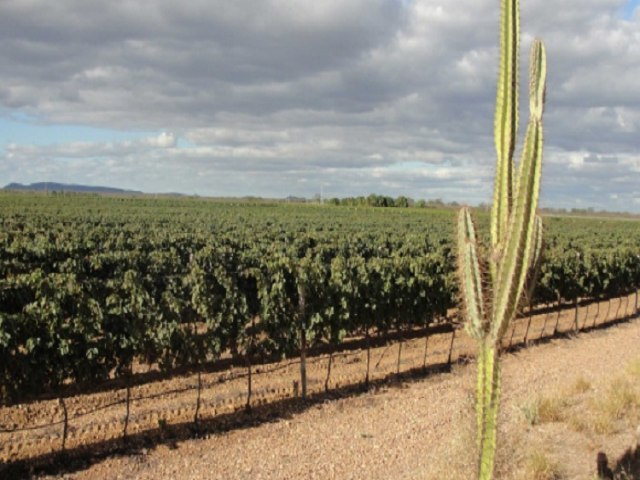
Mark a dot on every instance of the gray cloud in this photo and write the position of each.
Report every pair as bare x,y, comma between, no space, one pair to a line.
282,96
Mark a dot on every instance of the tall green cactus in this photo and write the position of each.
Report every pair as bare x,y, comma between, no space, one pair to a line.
490,299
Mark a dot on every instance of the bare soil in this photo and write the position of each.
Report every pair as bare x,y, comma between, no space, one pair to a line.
418,425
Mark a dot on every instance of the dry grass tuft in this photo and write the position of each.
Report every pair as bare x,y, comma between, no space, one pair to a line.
620,400
544,410
552,409
580,423
581,385
540,467
633,368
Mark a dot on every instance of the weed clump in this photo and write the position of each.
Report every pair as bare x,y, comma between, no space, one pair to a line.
540,467
544,410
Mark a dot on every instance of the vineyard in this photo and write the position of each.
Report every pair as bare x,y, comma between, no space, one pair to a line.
98,289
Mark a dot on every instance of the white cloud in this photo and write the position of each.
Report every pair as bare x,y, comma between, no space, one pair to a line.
576,160
91,149
164,140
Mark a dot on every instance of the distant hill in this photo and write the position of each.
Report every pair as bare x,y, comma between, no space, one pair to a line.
64,187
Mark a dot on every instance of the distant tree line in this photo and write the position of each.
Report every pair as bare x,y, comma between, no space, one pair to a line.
374,200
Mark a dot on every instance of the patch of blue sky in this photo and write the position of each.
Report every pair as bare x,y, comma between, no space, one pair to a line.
24,130
626,12
184,143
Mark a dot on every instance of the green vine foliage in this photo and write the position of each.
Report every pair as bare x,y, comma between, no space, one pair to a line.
90,286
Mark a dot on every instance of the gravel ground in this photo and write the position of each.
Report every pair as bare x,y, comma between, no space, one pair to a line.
420,428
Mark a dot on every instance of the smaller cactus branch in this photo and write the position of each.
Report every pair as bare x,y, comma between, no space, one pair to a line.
470,274
538,244
536,260
519,245
512,270
537,79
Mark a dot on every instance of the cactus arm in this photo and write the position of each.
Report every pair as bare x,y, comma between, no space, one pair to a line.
536,260
470,274
518,250
538,244
506,120
537,79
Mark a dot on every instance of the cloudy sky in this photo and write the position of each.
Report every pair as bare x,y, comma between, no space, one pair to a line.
291,97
